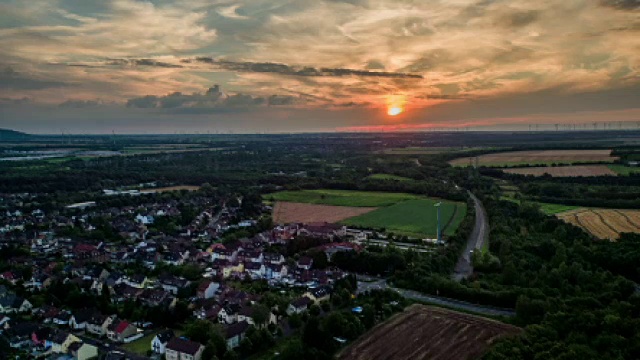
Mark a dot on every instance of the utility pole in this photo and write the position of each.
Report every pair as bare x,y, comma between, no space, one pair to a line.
438,219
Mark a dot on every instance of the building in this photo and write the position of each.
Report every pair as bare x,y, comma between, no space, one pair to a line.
118,331
182,349
160,341
234,333
82,350
207,289
299,305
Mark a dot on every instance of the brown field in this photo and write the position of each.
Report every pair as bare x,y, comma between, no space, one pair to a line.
291,212
604,223
564,171
542,157
426,332
170,188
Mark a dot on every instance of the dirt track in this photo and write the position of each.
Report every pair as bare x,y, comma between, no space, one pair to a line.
425,332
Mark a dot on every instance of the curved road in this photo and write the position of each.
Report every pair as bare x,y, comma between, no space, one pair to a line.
480,234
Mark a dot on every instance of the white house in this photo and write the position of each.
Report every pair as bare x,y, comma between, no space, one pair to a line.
182,349
160,341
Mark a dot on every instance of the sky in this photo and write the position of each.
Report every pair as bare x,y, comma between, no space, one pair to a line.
218,66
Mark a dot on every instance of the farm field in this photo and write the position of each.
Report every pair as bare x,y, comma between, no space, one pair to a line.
388,177
400,213
426,332
413,218
542,157
624,170
341,197
288,212
170,188
564,171
604,223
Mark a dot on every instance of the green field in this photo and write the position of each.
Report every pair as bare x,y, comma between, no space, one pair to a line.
341,197
412,218
552,209
388,177
624,170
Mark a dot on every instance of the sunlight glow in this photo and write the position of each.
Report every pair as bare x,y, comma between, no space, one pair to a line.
395,110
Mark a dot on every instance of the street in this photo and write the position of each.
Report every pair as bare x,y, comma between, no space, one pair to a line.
480,234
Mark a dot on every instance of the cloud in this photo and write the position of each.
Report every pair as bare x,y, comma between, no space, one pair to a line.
13,80
213,100
80,103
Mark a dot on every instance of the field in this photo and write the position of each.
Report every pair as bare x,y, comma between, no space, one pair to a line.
604,223
564,171
425,332
170,188
140,346
288,212
412,218
341,197
541,157
624,170
388,177
400,213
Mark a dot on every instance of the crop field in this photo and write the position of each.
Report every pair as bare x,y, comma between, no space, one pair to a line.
341,197
604,223
413,218
624,170
426,332
400,213
564,171
288,212
541,157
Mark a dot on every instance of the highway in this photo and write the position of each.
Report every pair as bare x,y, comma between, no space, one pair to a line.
480,234
367,283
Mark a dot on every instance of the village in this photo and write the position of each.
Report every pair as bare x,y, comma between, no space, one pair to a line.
77,278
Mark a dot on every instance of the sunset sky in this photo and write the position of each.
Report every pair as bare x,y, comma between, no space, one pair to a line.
83,66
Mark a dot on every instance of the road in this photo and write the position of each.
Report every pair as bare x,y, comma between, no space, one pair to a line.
480,234
367,283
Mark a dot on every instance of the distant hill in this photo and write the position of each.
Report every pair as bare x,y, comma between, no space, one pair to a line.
6,134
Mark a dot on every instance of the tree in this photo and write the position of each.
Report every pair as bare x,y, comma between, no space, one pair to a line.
260,314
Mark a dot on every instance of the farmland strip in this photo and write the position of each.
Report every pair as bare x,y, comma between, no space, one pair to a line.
628,219
605,222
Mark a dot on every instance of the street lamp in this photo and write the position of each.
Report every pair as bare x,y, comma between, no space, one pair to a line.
438,218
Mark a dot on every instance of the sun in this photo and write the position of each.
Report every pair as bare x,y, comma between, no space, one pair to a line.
394,110
396,104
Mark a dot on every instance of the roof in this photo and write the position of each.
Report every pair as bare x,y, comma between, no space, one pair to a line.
122,326
184,346
236,329
75,346
165,336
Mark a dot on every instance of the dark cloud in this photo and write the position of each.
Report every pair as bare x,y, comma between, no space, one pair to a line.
142,62
267,67
14,101
519,18
622,4
212,101
80,103
11,79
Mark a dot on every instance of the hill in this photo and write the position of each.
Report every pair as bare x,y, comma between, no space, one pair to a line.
6,135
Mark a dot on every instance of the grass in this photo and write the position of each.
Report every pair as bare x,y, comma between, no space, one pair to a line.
388,177
415,217
140,346
552,209
341,197
624,170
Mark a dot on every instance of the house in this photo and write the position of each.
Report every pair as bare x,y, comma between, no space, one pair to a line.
137,281
20,334
182,349
157,297
160,341
83,350
98,324
118,331
254,269
273,258
305,263
275,271
62,318
79,319
323,230
60,342
318,294
207,289
234,333
11,303
173,284
299,305
4,322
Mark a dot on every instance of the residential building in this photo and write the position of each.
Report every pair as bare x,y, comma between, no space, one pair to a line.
182,349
